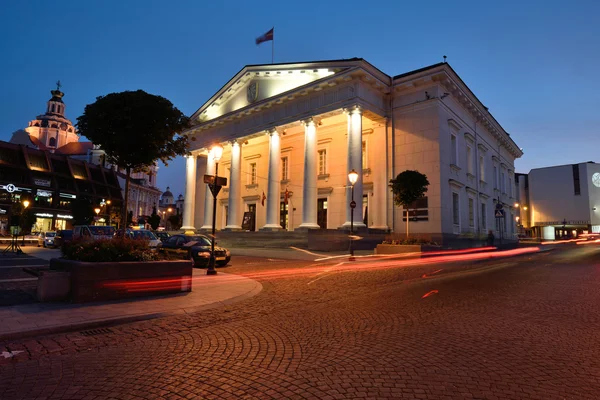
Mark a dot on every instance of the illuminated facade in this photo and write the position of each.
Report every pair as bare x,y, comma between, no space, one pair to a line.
293,132
560,201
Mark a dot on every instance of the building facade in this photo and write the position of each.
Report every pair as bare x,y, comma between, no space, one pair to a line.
291,133
561,201
51,183
55,133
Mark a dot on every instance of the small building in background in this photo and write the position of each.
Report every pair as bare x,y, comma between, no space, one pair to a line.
559,202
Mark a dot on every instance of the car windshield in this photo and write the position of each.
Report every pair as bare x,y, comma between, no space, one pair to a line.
203,241
143,235
102,230
50,234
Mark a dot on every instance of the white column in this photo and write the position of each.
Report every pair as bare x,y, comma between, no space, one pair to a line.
274,183
235,184
208,198
190,194
309,193
378,165
354,163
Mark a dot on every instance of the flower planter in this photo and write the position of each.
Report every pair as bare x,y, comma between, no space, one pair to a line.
103,281
403,248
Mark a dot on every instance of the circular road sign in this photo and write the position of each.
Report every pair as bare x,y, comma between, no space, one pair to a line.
352,204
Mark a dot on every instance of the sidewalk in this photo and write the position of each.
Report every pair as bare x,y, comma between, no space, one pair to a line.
45,318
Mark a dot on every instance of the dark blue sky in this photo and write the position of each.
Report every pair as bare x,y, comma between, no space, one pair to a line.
533,63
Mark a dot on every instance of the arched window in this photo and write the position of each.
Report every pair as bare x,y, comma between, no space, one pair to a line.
36,124
52,142
52,108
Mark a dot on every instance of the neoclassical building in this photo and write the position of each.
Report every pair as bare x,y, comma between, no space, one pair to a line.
291,133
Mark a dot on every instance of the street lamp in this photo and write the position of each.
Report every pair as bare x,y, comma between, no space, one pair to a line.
216,152
108,210
352,177
25,205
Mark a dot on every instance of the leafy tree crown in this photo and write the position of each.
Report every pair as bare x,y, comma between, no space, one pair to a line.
135,128
408,187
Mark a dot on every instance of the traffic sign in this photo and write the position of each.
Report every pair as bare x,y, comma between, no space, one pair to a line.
210,179
215,189
499,207
352,204
499,213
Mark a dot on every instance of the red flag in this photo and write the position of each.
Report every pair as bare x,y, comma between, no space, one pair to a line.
263,199
287,195
265,37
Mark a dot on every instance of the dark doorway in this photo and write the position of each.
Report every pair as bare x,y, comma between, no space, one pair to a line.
322,213
283,215
252,209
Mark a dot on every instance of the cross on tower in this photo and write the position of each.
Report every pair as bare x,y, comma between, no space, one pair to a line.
58,85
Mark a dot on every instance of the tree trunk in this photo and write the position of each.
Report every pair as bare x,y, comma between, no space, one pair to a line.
407,223
126,200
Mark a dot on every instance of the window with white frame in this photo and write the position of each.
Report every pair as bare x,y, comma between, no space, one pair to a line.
470,168
453,150
483,217
503,182
482,168
510,185
253,173
455,209
364,154
495,177
322,162
471,212
284,168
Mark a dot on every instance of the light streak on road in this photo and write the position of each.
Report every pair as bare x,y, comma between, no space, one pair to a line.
430,293
562,241
174,283
431,273
589,242
462,251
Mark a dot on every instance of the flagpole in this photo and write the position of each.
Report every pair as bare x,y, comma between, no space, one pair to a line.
273,49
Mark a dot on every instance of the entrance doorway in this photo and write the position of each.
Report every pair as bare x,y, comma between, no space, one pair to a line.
283,215
252,209
322,213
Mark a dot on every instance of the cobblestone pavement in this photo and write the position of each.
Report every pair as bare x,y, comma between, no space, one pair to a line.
520,328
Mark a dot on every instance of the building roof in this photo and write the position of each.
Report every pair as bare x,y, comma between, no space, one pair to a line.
75,148
167,193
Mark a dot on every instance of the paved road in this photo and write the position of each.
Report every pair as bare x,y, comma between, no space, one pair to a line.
521,328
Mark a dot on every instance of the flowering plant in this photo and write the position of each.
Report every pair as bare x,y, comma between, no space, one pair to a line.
109,250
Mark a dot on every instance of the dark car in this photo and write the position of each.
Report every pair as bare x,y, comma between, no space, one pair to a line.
196,247
63,236
162,235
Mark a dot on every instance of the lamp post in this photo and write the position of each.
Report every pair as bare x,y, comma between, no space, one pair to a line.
97,211
108,210
352,177
216,153
25,205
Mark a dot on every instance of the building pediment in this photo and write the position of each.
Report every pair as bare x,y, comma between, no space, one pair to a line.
256,83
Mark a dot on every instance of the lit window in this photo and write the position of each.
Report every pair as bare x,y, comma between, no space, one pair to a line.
322,162
284,168
252,173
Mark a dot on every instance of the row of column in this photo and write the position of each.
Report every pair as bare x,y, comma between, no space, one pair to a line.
309,193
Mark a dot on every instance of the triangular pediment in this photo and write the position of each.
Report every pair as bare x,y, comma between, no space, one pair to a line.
256,83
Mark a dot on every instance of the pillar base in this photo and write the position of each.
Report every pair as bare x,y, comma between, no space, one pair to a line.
271,228
357,225
307,227
232,228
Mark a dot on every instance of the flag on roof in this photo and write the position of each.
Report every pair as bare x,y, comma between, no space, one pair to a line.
265,37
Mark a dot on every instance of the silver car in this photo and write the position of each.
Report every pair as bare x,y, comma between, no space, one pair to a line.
46,239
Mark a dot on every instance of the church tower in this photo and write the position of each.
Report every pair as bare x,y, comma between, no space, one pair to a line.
52,129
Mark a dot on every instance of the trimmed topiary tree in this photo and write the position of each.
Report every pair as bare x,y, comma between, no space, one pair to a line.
408,187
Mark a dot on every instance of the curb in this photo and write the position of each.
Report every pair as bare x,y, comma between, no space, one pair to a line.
108,322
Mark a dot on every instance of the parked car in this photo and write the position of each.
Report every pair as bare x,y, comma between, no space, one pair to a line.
141,234
63,236
46,239
93,232
162,235
197,248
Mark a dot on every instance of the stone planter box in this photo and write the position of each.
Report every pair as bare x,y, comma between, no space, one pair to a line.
404,248
120,280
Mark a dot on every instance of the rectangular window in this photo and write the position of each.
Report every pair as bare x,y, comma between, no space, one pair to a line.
453,150
482,168
495,177
322,162
471,213
455,209
418,210
483,217
510,185
284,168
364,154
470,160
576,183
502,182
253,173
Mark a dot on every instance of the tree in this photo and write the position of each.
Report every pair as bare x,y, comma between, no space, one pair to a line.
408,187
175,221
82,210
135,129
154,219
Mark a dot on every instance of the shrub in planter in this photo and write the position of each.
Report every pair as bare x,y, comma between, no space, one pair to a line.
109,250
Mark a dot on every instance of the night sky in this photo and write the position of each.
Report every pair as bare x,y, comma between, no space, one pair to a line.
532,63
